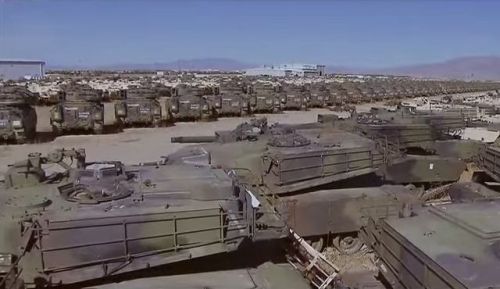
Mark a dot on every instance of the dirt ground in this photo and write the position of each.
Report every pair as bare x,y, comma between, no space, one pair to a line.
136,145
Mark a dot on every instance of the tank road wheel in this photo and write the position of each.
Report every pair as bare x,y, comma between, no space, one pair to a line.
318,243
348,245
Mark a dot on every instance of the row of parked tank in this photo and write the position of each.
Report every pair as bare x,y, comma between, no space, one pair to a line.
236,97
344,183
80,107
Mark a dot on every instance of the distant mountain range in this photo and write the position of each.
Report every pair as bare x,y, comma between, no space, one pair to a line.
477,67
469,68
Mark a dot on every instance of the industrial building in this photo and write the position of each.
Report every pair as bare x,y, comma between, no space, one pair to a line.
286,70
11,69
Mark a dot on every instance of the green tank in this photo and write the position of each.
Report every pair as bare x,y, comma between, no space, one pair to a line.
80,108
320,95
231,99
444,246
410,129
293,162
64,220
338,94
140,106
264,276
289,158
294,97
352,92
191,103
18,118
265,97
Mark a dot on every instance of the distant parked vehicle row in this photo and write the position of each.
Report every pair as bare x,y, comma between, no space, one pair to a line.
79,107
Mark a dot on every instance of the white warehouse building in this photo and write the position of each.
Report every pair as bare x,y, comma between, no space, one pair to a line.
11,69
302,70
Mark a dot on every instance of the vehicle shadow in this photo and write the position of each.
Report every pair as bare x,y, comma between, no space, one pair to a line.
48,136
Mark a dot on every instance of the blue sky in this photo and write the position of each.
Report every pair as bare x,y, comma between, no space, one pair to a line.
351,33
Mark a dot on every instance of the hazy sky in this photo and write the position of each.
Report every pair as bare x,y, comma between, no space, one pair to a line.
352,33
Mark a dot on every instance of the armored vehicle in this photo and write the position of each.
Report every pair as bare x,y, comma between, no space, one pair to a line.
488,160
294,97
80,108
140,107
353,93
17,116
265,276
265,97
231,100
367,92
378,91
335,216
83,220
319,95
190,103
288,158
291,161
338,95
408,128
449,245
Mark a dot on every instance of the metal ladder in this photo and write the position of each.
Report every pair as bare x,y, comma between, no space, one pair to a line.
314,266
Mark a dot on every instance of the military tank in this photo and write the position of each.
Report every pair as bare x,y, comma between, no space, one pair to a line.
352,92
288,158
231,99
18,118
64,220
191,103
408,128
139,107
338,94
293,162
294,97
320,95
265,276
447,245
367,92
265,97
80,108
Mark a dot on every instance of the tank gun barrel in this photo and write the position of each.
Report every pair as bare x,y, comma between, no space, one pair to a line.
193,139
